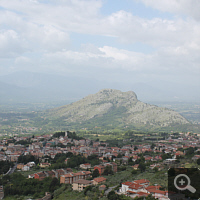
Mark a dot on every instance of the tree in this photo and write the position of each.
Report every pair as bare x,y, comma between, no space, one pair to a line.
142,167
190,151
156,169
112,195
119,155
95,173
134,171
153,145
108,170
54,184
135,148
130,161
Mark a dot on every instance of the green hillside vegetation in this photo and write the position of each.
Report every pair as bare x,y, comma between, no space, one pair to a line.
17,184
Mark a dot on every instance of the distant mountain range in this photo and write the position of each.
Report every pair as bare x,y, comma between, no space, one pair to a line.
32,87
111,107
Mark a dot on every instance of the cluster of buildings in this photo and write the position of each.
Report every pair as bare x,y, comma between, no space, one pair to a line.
81,184
53,173
78,180
142,188
46,146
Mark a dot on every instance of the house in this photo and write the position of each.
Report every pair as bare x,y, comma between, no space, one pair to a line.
25,168
178,154
158,193
133,189
85,166
102,187
135,186
60,172
51,174
31,175
102,167
135,167
141,188
31,164
40,176
81,184
98,180
44,165
143,182
20,166
71,177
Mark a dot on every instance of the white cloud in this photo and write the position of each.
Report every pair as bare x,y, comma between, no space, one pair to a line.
42,22
186,7
35,27
22,60
11,44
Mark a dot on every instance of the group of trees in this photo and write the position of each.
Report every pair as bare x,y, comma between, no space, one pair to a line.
24,142
17,184
71,135
27,158
5,166
73,161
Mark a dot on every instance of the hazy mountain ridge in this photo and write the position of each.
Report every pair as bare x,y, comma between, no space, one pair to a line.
117,106
41,87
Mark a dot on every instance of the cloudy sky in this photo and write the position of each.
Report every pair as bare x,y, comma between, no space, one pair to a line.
118,40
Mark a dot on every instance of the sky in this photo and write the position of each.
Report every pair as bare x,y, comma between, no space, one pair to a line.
127,41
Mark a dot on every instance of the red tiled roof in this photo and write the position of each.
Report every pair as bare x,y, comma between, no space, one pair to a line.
142,194
68,175
153,187
157,191
131,192
127,183
102,186
41,174
141,181
100,179
135,186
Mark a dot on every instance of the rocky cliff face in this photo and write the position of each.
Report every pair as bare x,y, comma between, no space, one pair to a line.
116,107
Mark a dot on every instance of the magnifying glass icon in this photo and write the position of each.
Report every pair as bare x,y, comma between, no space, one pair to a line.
185,187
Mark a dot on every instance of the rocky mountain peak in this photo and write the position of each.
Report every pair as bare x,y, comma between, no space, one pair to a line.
110,106
112,94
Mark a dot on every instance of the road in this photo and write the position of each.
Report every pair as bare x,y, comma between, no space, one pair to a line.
110,189
11,170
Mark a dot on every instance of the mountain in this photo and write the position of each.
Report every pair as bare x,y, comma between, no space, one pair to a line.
111,107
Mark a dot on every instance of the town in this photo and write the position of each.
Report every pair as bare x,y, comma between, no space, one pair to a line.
82,163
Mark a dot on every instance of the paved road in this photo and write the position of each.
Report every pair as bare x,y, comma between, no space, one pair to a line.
12,169
110,189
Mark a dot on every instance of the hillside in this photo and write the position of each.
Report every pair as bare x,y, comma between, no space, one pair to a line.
111,107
